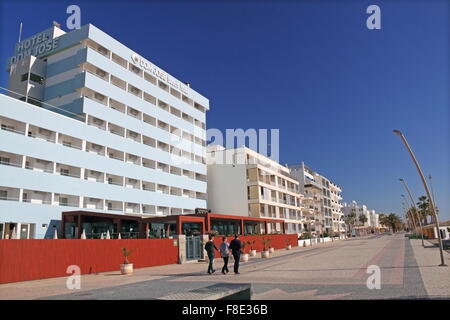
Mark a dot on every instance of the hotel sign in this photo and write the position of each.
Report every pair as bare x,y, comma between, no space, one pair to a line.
36,46
158,73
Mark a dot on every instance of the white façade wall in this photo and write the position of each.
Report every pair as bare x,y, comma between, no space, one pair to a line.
227,189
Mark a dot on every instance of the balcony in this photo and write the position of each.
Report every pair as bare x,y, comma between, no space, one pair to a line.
70,142
118,82
95,148
68,171
148,186
41,133
116,105
133,159
133,136
9,194
114,180
134,113
114,129
119,60
132,183
112,205
133,208
38,165
116,154
96,122
67,200
93,203
37,197
148,163
10,159
148,209
12,125
92,175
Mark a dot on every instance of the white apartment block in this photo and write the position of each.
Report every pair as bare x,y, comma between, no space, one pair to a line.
371,216
245,183
322,197
89,124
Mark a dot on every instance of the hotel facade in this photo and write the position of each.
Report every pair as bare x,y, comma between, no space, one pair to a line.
89,124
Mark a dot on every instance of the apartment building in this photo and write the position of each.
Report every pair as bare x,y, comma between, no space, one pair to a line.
322,197
245,183
88,123
372,218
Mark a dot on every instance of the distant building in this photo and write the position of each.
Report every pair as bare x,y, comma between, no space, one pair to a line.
245,183
321,196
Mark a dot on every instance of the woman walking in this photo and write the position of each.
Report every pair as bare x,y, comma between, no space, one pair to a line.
224,252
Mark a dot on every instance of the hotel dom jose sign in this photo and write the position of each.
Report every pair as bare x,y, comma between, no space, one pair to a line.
37,45
157,72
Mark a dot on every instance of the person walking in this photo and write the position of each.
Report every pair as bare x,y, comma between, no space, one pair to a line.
224,252
236,246
209,247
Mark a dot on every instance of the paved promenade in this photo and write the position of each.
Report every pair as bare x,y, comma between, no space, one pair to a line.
333,270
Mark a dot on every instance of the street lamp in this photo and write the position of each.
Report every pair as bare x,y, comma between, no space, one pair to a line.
419,170
413,207
407,216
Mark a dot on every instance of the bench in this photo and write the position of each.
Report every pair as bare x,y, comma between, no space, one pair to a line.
219,291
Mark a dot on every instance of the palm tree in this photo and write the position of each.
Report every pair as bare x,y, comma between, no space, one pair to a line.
363,219
394,222
424,208
350,220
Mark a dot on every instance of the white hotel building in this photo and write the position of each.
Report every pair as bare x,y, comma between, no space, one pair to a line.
123,136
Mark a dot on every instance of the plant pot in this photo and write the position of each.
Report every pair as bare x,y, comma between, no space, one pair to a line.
244,257
264,254
289,247
126,268
271,250
252,253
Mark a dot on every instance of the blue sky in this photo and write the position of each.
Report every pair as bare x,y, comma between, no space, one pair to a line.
310,68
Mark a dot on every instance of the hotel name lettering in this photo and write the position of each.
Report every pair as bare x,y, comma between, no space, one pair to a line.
36,46
154,70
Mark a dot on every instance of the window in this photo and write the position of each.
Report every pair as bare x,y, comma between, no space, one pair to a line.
4,160
64,172
34,78
3,195
63,201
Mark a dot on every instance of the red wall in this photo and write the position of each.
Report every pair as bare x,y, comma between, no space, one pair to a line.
22,260
278,241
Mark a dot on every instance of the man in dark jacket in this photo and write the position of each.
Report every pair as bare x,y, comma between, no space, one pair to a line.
236,246
209,247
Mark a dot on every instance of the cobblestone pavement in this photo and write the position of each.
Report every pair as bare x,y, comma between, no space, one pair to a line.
333,270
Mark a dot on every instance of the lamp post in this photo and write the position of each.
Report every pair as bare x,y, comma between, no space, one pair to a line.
406,216
408,208
432,193
414,208
419,170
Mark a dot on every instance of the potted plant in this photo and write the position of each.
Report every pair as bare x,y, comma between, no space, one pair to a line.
271,250
265,251
244,256
252,251
288,244
126,267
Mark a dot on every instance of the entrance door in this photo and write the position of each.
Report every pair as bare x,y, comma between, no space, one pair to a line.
194,250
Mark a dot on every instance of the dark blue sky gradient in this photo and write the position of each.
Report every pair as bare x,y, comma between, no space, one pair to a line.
310,68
